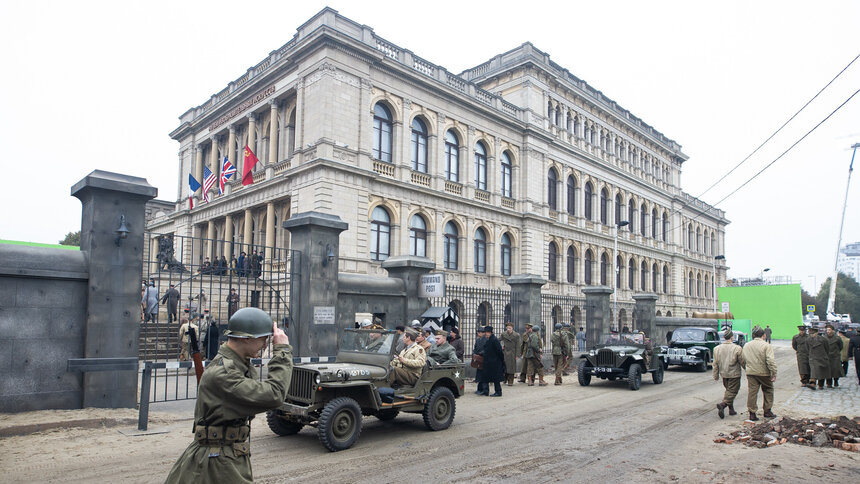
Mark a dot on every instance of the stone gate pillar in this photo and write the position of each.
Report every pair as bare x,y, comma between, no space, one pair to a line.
409,269
525,300
597,313
112,202
313,293
645,313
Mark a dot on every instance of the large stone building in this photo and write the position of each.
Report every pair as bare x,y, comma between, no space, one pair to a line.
513,167
848,260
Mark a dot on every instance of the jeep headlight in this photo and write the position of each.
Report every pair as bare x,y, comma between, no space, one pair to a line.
622,354
317,379
592,353
693,351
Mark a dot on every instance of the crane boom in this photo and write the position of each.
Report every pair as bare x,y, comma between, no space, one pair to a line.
831,300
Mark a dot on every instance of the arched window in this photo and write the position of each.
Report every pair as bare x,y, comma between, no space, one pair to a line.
666,279
417,236
631,214
665,228
419,146
482,314
690,288
589,192
571,265
604,206
698,239
713,246
552,259
381,133
569,122
557,115
691,237
707,286
643,277
619,268
506,255
604,269
451,242
619,204
655,274
631,273
589,261
506,174
571,195
551,188
380,234
654,220
549,111
480,166
699,292
452,156
480,251
643,212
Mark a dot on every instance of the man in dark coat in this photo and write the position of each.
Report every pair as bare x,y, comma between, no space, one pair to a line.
478,349
457,342
494,363
171,297
854,352
232,303
241,264
819,358
834,351
512,346
798,342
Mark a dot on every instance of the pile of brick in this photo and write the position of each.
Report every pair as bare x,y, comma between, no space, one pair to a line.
842,433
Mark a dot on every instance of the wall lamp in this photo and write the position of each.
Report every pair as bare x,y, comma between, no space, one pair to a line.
329,255
122,231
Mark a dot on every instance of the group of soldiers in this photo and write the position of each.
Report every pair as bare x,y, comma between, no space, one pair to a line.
821,359
529,347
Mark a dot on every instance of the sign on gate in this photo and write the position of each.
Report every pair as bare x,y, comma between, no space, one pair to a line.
724,306
432,285
323,314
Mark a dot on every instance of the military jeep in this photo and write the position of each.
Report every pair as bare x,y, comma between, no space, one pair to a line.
691,346
333,397
620,356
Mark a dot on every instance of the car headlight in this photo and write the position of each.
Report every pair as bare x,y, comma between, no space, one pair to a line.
592,353
317,379
622,354
693,351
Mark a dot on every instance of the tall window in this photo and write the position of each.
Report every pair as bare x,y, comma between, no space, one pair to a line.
506,174
589,261
480,251
506,255
665,226
631,212
480,166
452,156
417,236
381,133
631,273
654,219
619,268
551,189
699,285
552,256
571,265
589,192
643,276
450,242
666,279
604,206
698,239
690,291
713,248
419,146
643,211
380,234
691,237
655,273
619,204
604,268
571,195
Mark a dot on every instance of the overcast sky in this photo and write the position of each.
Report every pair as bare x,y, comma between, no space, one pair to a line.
99,85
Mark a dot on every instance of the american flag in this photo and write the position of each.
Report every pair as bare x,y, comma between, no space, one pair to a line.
227,170
208,181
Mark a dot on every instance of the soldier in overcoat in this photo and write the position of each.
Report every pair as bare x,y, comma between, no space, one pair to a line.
560,351
819,358
534,347
512,346
798,342
834,351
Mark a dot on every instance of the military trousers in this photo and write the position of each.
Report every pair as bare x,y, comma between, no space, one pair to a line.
754,383
534,367
402,376
732,386
558,364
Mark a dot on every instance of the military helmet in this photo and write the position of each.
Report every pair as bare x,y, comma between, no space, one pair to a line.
558,326
249,323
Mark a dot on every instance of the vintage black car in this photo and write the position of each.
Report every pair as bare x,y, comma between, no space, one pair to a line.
691,346
620,356
333,396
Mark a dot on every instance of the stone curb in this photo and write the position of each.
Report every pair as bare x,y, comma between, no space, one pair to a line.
87,423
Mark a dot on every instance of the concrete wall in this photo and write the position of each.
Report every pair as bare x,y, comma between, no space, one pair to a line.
43,293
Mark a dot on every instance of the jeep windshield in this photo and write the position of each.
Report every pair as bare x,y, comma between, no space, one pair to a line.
688,334
367,340
623,339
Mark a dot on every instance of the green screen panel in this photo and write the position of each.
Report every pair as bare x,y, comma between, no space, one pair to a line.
778,306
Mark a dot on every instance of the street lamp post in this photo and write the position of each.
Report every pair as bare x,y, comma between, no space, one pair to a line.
761,275
714,280
615,265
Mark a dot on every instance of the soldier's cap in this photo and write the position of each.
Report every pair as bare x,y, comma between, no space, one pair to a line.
365,323
488,329
727,334
566,325
801,327
558,326
411,333
536,328
813,329
757,332
529,325
442,333
828,325
415,323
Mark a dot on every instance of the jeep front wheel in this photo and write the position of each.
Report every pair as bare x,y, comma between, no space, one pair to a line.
584,378
281,426
339,424
439,409
387,414
634,377
658,374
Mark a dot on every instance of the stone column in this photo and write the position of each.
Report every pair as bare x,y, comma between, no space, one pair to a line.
597,309
198,166
315,235
273,132
525,300
252,133
113,295
228,237
231,151
210,242
409,269
270,231
645,313
246,234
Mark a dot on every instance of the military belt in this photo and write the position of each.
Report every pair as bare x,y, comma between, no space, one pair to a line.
217,437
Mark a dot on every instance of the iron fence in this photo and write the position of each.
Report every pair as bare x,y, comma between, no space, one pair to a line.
476,307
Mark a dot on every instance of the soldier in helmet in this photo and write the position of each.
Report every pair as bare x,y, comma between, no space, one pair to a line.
560,351
229,395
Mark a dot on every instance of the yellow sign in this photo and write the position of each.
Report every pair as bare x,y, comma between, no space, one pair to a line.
810,308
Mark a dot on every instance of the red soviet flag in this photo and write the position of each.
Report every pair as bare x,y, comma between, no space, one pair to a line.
248,165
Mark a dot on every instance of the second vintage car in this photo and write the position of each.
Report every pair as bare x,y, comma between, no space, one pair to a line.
691,346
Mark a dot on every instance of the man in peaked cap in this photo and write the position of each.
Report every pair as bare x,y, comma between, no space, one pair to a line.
406,367
728,361
525,343
533,355
798,343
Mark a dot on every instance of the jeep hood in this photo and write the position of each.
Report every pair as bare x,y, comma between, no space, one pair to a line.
346,371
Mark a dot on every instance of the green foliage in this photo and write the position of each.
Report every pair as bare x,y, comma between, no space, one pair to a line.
72,238
805,300
847,297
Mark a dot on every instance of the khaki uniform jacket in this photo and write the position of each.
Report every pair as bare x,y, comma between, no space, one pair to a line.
758,355
728,360
560,343
414,358
835,355
183,333
845,344
230,394
798,342
512,346
533,346
819,361
444,354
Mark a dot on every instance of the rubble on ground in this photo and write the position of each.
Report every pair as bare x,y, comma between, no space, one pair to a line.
842,433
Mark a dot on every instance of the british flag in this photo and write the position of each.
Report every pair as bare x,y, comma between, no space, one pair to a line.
208,181
227,170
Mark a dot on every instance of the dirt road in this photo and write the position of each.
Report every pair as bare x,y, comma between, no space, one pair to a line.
603,432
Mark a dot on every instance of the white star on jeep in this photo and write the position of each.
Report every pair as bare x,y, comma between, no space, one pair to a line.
456,374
